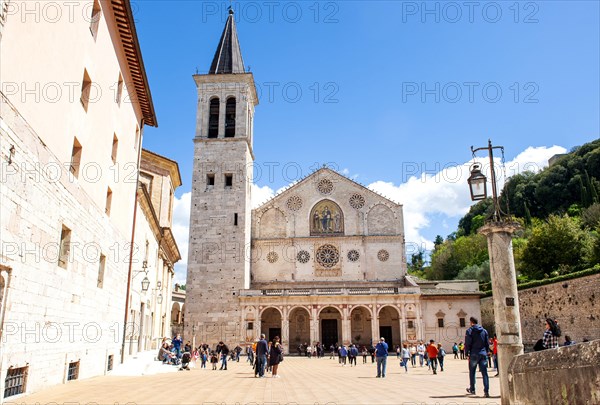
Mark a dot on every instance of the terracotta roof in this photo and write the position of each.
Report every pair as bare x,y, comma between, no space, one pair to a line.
131,46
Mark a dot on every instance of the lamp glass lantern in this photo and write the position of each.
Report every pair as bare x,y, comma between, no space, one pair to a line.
477,183
145,284
159,299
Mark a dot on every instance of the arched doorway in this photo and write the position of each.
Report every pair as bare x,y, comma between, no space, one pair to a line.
270,323
330,322
389,326
360,327
175,311
299,327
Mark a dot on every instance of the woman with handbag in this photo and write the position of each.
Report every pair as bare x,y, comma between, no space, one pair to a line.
276,356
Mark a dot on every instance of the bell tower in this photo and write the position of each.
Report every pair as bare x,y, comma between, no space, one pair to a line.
220,219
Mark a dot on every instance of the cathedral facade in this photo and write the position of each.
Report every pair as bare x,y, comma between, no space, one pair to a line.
323,261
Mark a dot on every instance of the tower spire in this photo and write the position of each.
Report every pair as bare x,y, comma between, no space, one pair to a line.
228,57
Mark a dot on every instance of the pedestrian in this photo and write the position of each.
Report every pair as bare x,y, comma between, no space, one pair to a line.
551,334
413,355
223,350
372,353
432,354
461,349
343,355
177,341
421,352
381,352
476,348
364,353
440,356
568,341
352,354
455,350
276,356
398,351
405,354
261,357
203,358
214,360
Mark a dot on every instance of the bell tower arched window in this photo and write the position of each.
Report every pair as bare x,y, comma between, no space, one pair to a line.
213,118
230,118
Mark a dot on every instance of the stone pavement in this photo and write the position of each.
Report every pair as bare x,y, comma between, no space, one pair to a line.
303,381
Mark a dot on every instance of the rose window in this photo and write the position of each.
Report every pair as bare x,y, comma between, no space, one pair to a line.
383,255
327,256
353,255
325,186
303,256
357,201
272,257
294,203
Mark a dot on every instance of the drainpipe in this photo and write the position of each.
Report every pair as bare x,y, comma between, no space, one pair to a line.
135,199
5,299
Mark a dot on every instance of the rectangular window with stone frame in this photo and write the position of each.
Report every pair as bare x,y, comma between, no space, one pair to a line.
64,247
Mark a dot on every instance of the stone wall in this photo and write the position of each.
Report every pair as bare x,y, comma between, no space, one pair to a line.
55,314
569,375
574,303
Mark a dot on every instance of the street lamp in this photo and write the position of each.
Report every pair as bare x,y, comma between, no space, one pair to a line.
145,284
159,299
477,183
499,230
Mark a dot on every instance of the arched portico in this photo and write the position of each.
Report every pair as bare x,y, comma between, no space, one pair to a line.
270,323
330,322
360,326
389,326
299,323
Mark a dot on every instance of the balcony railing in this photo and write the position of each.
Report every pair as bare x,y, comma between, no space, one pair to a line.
330,291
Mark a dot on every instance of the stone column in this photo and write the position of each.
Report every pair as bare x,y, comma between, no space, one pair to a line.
375,326
314,325
346,338
420,324
506,298
285,331
403,326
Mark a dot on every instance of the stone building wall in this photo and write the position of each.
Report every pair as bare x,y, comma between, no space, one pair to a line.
369,242
574,303
55,315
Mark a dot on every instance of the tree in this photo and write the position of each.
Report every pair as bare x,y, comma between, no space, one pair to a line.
556,243
417,263
479,272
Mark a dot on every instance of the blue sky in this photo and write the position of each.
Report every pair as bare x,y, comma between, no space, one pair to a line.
384,90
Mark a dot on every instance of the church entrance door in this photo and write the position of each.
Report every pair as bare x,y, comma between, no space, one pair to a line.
329,332
386,333
274,332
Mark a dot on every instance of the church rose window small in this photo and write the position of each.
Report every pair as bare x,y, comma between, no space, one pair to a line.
357,201
272,257
383,255
353,255
325,186
327,256
294,203
303,256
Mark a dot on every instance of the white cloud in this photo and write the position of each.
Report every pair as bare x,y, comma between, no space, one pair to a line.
260,195
181,229
446,192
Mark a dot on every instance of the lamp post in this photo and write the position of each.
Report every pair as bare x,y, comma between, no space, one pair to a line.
499,232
